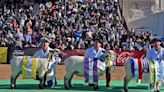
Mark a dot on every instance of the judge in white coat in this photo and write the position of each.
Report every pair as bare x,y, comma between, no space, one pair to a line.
94,52
157,55
44,53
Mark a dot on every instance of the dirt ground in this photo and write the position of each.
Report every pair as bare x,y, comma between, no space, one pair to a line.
117,72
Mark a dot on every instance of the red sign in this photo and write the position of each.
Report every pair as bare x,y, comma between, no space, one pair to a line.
77,52
123,56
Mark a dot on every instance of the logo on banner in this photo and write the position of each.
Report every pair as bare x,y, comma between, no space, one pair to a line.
124,56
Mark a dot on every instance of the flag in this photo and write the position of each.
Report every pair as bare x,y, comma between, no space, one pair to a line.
3,54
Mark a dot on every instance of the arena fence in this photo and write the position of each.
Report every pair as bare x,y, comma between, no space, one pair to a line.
6,54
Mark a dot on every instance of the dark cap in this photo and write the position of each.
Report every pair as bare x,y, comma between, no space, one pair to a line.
156,40
97,39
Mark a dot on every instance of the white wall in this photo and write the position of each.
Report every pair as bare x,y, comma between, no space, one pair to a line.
162,4
154,22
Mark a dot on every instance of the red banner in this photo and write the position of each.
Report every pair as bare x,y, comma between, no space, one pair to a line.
75,52
123,56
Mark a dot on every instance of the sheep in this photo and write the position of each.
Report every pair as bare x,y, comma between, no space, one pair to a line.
154,86
74,65
42,68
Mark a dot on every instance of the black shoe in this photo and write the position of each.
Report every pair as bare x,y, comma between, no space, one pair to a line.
49,83
91,84
56,82
37,78
158,90
96,87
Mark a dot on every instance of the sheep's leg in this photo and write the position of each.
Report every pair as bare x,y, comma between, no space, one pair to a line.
44,81
55,80
66,83
41,79
158,84
67,78
70,85
13,80
126,81
108,77
41,84
95,87
152,87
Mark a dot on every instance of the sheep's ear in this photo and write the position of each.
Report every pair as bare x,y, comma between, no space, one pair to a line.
52,51
112,52
57,50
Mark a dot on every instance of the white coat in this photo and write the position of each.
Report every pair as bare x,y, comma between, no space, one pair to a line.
158,57
91,53
52,64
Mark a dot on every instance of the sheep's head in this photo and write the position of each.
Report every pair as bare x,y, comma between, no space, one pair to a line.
54,60
108,54
56,55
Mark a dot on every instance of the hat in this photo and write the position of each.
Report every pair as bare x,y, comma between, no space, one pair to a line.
45,39
97,39
156,40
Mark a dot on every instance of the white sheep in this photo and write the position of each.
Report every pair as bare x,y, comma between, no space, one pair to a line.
74,65
153,87
42,68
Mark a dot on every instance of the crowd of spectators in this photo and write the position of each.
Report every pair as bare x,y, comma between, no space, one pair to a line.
70,25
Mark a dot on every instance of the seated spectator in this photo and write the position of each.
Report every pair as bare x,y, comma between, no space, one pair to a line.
27,39
18,33
19,42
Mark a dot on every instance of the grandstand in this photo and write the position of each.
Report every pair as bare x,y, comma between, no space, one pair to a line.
124,26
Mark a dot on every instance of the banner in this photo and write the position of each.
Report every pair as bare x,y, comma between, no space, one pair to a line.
123,56
20,52
3,54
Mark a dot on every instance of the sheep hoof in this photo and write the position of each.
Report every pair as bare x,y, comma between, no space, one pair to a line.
66,87
158,90
125,89
12,86
95,87
41,86
45,85
107,85
70,85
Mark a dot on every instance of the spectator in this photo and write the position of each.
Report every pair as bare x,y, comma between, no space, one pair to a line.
27,39
69,27
19,42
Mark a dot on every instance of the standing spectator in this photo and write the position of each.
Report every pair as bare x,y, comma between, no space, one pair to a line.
77,37
27,39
